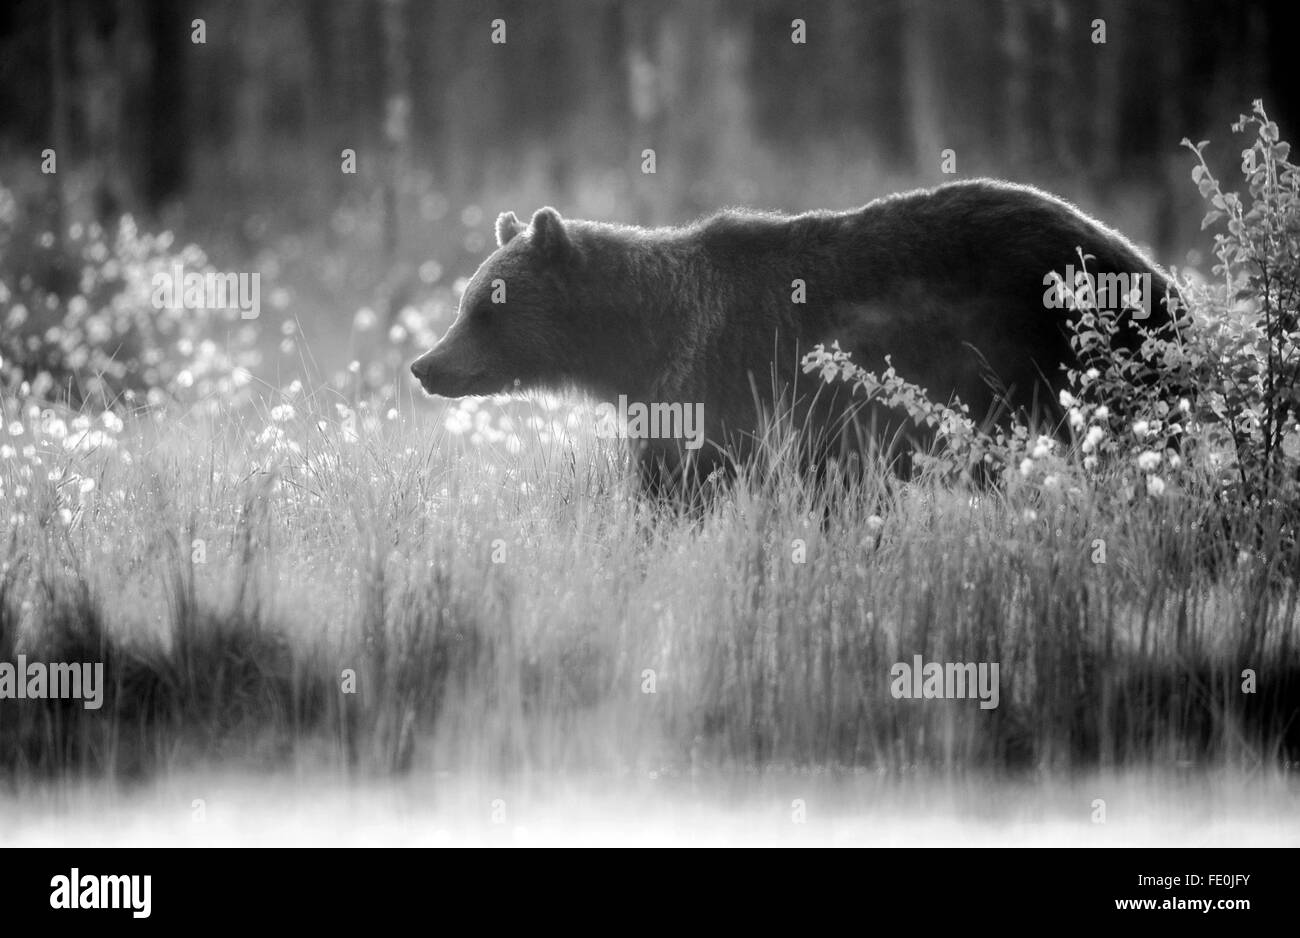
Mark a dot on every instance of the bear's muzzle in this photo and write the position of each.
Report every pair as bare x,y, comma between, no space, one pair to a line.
438,376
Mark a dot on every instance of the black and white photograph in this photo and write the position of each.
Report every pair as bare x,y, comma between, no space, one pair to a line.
446,424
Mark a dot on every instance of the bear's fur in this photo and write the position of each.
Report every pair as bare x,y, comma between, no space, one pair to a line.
949,282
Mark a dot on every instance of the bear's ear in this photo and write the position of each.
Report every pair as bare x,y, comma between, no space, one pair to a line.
548,233
507,227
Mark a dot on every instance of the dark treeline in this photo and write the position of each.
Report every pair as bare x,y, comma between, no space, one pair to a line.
146,120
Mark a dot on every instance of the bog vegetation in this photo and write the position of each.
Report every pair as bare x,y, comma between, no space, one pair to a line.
333,573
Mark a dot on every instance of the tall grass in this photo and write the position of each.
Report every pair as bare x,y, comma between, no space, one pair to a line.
507,609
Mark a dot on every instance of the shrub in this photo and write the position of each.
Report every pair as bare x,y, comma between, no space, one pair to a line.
1245,352
79,324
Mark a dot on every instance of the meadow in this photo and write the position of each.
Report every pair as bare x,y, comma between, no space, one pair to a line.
475,594
325,598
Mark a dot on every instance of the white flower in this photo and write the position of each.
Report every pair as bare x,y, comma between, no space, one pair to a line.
875,523
282,413
1148,461
365,319
1051,482
1185,405
1092,374
89,440
1094,436
1090,462
1101,413
1026,466
1155,485
1067,399
1042,447
1140,429
1076,419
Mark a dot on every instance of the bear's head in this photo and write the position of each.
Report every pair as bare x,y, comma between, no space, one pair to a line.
509,332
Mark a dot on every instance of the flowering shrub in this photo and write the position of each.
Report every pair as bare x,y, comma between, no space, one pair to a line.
961,445
1245,355
79,323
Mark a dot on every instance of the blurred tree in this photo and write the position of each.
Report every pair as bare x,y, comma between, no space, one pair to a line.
244,132
164,164
921,81
397,286
58,113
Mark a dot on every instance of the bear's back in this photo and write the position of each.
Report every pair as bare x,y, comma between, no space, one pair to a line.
949,283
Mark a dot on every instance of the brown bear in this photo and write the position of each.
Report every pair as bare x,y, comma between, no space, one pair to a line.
953,283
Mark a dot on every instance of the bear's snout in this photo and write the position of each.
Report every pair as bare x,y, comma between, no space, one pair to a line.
433,376
421,367
441,374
